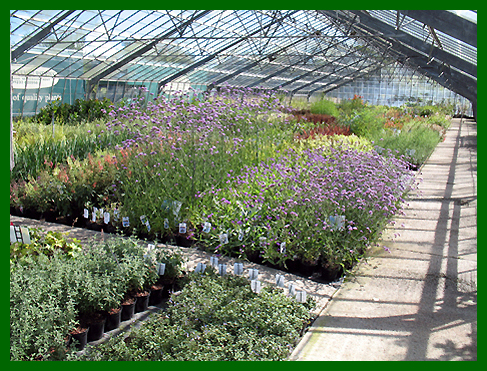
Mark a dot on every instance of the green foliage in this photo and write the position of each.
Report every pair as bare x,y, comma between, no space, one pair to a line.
415,141
44,243
48,293
324,106
42,309
80,110
214,318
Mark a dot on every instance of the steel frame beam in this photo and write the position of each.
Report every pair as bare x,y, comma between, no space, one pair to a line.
177,29
456,81
327,75
253,64
416,43
39,36
215,54
446,22
348,81
318,68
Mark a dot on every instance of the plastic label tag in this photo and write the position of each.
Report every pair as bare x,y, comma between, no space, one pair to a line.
301,296
206,227
292,289
182,228
116,214
282,248
222,269
150,247
240,235
253,274
200,268
143,219
161,269
255,286
106,217
337,222
238,268
125,221
223,238
279,280
166,223
176,207
214,262
93,216
166,205
86,213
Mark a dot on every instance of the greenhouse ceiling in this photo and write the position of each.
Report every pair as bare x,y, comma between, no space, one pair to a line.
299,51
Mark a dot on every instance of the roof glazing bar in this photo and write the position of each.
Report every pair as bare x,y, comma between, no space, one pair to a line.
39,36
215,54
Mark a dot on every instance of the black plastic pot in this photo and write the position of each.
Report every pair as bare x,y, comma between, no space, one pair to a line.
113,321
81,337
142,303
96,330
155,297
128,311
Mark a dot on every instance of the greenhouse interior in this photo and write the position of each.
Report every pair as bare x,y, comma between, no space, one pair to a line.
289,141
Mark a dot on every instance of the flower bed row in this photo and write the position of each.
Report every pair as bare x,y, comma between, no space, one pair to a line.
182,166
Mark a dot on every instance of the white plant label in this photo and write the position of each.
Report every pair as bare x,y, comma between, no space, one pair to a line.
100,212
255,286
253,274
238,268
222,269
106,217
86,213
176,207
214,261
200,268
240,235
337,222
279,280
125,221
223,238
161,269
301,296
282,248
182,228
116,214
151,247
292,289
166,223
143,219
93,216
206,227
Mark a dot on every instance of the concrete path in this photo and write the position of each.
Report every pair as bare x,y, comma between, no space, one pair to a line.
418,302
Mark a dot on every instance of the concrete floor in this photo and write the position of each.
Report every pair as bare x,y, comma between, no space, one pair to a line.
418,302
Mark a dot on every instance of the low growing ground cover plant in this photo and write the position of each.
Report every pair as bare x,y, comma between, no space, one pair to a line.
214,318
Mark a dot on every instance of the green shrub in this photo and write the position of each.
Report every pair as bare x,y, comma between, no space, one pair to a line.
325,107
42,309
80,110
45,243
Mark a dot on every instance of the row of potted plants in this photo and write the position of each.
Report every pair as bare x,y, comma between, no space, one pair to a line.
213,318
57,297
